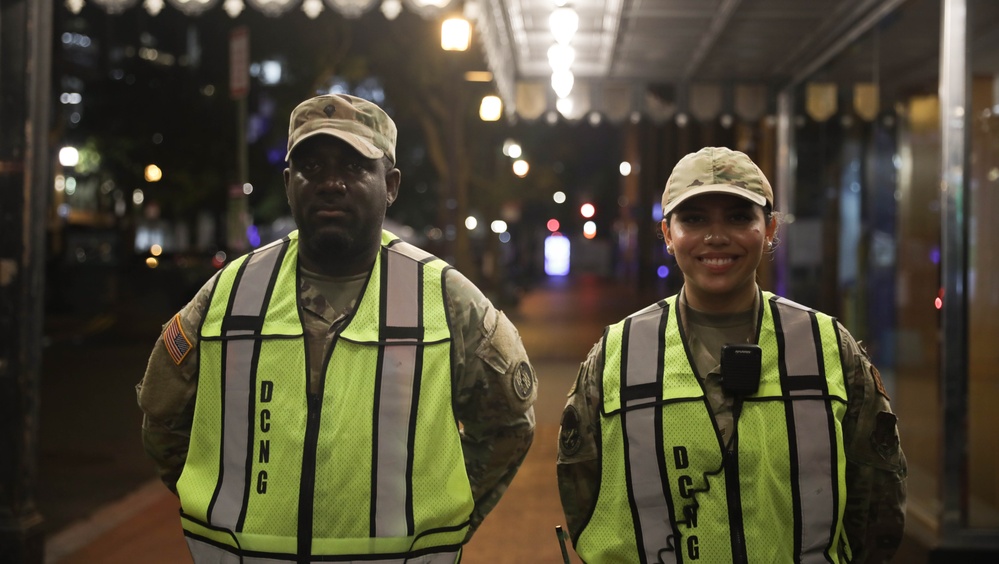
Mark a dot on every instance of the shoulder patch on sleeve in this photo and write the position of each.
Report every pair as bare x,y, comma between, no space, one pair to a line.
878,383
569,439
523,381
177,343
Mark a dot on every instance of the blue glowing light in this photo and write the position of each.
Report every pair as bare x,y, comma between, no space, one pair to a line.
253,236
556,255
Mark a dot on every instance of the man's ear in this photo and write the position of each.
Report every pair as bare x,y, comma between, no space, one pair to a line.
393,178
287,179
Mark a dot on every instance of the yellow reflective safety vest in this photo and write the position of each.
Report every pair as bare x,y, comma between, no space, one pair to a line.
669,491
370,468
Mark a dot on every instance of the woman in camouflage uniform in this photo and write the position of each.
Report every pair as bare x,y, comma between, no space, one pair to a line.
724,423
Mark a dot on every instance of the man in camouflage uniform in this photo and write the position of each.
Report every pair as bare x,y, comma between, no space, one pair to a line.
875,472
340,180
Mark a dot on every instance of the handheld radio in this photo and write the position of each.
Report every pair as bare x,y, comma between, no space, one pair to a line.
740,369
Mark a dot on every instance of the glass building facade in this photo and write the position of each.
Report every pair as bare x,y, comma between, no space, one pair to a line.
888,170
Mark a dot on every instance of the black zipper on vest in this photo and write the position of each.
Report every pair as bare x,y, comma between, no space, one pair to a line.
732,490
308,489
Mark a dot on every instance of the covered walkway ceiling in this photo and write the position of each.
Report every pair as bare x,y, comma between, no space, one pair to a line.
667,45
650,57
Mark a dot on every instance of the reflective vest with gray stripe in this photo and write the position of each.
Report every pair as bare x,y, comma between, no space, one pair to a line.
668,493
368,469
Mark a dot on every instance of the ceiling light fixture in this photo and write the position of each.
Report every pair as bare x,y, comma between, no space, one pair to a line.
562,83
564,22
561,56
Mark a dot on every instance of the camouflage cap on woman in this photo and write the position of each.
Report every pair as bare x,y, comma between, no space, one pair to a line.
716,170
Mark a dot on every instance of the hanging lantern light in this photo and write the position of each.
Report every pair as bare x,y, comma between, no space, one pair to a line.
114,6
271,8
312,8
562,83
233,7
193,7
428,8
391,8
456,34
564,22
351,8
491,108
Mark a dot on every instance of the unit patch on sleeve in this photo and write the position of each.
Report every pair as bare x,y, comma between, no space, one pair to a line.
176,341
523,381
569,439
878,383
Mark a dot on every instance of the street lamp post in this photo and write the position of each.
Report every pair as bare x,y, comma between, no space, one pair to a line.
456,37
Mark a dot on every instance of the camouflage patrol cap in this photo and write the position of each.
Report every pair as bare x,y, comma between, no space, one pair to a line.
716,170
362,124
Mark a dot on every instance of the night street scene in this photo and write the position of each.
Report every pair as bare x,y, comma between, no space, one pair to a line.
126,250
143,149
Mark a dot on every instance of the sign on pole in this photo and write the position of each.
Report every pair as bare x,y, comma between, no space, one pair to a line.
239,62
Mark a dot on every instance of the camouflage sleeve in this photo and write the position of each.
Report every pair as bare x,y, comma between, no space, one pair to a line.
494,391
875,464
578,464
166,392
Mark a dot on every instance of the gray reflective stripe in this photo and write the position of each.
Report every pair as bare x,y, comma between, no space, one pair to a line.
394,407
402,307
235,435
438,558
816,482
410,251
395,400
643,342
253,285
204,553
643,446
249,297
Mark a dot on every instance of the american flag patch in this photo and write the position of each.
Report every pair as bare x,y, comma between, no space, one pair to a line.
176,341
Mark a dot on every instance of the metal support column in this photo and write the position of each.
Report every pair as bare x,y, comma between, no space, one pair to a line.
786,166
955,106
958,542
25,63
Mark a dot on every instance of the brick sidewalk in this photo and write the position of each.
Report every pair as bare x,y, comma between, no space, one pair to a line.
145,526
558,322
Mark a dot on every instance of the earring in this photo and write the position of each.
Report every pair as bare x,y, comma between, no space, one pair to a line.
669,249
770,245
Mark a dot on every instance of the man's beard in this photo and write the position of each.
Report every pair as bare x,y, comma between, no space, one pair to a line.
328,247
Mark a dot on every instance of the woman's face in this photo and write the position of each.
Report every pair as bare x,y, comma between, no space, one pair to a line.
718,241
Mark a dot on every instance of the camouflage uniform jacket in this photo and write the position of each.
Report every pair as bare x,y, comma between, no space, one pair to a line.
494,385
875,472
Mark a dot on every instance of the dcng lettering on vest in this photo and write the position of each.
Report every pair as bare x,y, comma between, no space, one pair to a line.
264,452
685,484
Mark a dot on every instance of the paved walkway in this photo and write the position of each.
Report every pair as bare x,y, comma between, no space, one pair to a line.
559,322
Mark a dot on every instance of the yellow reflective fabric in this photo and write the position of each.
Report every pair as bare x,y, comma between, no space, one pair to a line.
347,415
687,465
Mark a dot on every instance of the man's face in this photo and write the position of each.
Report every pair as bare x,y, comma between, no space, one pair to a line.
338,198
